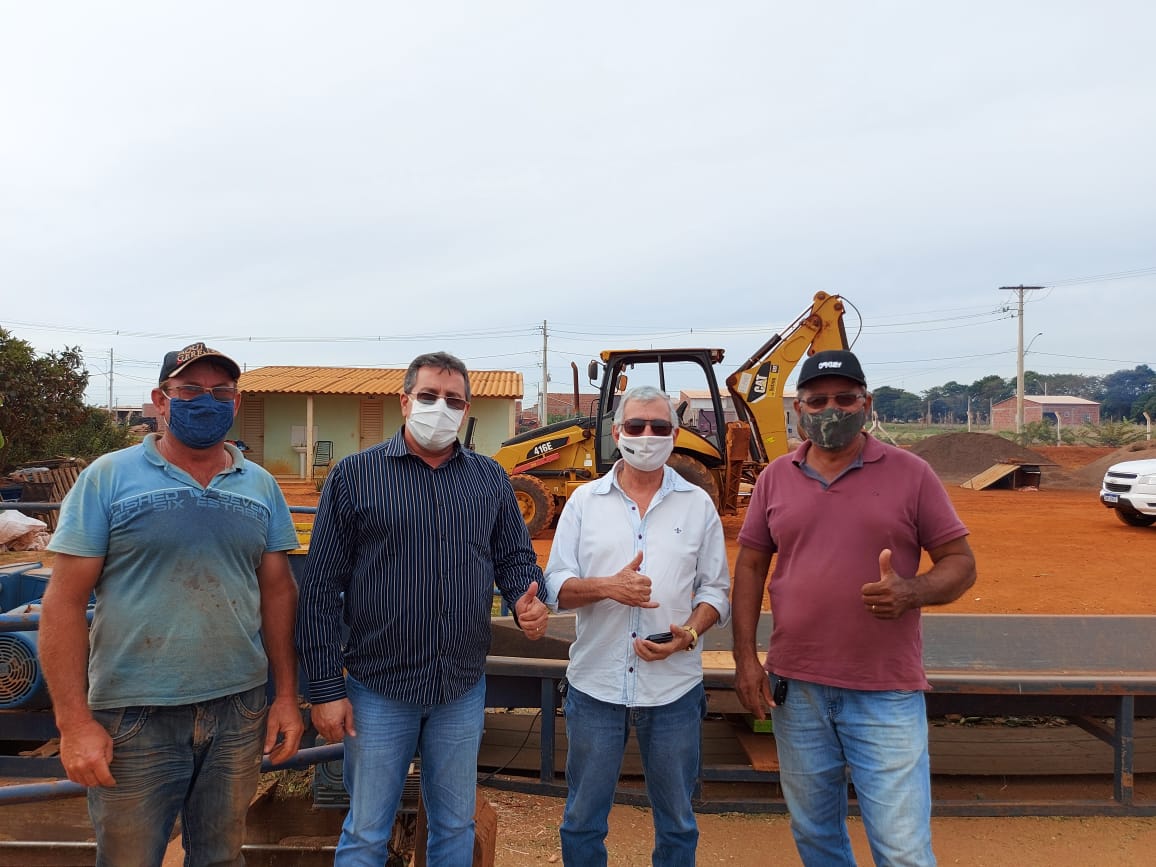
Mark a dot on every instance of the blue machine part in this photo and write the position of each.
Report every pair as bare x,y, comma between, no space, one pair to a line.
20,583
329,785
22,685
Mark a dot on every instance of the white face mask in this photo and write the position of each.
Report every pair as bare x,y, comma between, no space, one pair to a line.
645,453
433,425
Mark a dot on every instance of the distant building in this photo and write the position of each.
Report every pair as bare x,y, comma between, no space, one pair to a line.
700,412
286,412
128,415
1069,411
559,405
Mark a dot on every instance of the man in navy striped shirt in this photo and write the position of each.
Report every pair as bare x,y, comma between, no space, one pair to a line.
415,533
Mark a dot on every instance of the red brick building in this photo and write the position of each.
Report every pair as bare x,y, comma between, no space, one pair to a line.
1071,411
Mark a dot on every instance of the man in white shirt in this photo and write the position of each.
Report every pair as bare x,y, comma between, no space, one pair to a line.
637,553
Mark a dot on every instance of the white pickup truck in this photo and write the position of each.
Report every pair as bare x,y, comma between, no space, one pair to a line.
1130,489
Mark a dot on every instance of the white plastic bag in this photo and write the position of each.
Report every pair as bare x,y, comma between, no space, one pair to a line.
15,524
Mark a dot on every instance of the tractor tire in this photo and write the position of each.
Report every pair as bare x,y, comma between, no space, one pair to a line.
536,503
696,473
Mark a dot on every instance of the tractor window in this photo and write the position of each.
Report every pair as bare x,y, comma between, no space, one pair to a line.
692,389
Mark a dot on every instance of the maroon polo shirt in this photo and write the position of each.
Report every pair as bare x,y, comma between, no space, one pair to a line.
827,540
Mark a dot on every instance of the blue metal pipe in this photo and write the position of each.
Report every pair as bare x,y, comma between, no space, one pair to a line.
27,622
29,793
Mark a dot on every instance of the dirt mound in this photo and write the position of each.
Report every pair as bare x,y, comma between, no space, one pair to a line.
959,456
1093,473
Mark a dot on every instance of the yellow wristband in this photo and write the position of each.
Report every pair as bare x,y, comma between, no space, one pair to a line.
693,636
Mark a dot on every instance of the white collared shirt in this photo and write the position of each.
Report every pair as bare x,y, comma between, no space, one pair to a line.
684,555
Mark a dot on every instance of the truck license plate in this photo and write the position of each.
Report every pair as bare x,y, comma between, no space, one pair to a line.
1110,498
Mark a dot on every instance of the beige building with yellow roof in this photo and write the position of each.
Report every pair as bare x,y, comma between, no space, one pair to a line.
291,417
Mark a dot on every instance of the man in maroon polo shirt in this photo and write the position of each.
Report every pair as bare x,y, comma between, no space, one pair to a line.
848,518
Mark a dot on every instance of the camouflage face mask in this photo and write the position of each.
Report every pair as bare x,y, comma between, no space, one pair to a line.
832,429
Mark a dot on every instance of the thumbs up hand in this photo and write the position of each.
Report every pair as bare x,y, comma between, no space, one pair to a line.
891,595
631,587
532,613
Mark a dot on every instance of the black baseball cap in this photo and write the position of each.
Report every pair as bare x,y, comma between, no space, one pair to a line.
832,362
179,359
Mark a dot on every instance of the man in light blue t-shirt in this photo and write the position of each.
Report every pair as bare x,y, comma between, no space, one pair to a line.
162,707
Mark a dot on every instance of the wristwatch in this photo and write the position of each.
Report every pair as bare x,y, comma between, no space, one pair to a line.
693,636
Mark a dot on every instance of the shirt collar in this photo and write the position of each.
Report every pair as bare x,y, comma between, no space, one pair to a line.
671,481
154,457
397,447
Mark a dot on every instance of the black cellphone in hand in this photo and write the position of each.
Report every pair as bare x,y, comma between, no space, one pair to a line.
661,637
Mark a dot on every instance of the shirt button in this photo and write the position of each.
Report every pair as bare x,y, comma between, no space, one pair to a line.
631,668
639,535
633,634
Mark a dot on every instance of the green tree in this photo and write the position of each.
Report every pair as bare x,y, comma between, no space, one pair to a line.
893,404
95,435
1124,388
1070,384
43,413
1147,405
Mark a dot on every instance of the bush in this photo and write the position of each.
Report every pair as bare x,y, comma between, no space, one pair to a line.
93,436
1110,433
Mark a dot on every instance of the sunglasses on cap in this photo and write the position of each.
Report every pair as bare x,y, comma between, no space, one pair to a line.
635,427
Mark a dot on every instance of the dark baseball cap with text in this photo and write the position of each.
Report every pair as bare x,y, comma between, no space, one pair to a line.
179,359
832,362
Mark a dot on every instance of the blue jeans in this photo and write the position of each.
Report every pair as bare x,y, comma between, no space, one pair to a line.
389,734
881,737
670,743
199,761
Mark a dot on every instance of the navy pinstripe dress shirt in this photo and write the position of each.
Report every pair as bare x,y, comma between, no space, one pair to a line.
416,551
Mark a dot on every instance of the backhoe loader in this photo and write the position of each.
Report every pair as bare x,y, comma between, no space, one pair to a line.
547,464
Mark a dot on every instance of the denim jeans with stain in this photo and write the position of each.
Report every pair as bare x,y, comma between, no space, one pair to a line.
823,733
199,761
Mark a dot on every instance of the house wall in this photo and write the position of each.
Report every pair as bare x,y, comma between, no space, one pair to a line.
334,417
495,423
337,418
1003,415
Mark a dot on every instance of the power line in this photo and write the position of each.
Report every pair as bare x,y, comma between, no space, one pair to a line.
1102,278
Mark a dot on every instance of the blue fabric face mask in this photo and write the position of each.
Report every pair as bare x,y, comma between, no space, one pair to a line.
202,422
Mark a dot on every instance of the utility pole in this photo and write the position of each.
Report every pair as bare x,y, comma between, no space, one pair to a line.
543,409
111,408
1020,290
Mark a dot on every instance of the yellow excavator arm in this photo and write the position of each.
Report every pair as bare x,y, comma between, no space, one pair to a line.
757,386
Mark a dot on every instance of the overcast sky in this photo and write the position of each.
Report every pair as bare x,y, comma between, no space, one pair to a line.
355,183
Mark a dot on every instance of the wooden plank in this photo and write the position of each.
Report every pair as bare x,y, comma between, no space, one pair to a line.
760,747
1056,750
989,476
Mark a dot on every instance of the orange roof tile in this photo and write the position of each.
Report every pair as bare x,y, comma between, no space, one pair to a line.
364,380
